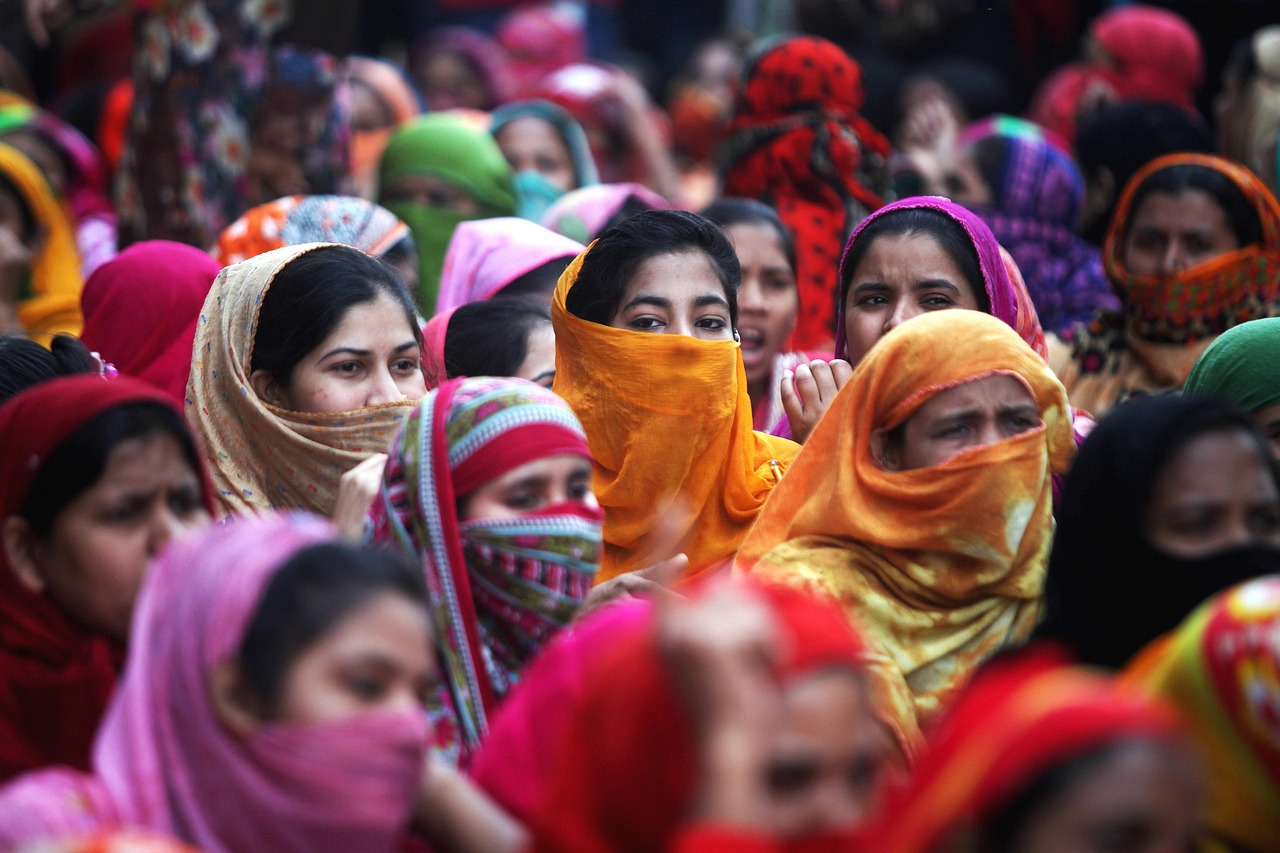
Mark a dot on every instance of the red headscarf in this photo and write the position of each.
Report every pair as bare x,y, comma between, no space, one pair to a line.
141,308
798,143
55,677
617,787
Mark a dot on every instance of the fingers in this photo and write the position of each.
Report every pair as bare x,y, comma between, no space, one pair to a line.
841,372
665,573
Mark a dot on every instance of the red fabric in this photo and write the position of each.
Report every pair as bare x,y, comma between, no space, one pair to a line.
55,678
797,142
141,309
521,445
114,122
616,786
1020,717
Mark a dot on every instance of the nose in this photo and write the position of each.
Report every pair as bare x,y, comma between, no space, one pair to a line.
166,525
899,312
404,700
1236,533
1175,258
751,296
383,389
834,807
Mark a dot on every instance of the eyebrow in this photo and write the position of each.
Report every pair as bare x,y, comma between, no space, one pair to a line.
925,284
663,302
364,353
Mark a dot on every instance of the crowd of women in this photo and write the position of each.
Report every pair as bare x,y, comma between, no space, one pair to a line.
375,477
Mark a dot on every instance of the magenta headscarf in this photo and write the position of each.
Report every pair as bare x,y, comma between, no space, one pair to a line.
164,762
485,255
141,308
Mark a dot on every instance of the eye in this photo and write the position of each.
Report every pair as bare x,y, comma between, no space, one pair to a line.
578,491
935,301
185,501
346,367
712,323
407,365
873,301
523,500
778,283
645,323
1198,245
790,777
1264,521
368,689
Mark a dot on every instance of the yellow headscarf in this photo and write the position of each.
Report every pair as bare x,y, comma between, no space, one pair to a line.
668,420
262,457
53,305
939,566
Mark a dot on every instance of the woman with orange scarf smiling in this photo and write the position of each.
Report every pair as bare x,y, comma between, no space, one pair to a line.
647,356
922,501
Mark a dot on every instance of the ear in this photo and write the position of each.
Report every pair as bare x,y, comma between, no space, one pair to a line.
22,548
884,452
268,389
233,703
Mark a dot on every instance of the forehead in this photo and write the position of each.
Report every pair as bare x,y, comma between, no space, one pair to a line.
998,391
1222,465
755,239
1190,209
907,256
676,276
531,130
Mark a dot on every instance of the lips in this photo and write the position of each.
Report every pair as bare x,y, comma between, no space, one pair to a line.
752,344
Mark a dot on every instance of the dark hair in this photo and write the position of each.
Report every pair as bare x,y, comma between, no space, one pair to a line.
538,282
618,252
990,153
632,205
727,212
79,462
309,594
8,187
310,297
491,338
1241,216
399,250
24,363
905,221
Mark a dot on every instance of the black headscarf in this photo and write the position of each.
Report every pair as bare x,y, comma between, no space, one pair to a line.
1109,592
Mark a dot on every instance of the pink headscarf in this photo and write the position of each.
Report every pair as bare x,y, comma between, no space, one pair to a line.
538,41
485,255
164,762
141,308
581,214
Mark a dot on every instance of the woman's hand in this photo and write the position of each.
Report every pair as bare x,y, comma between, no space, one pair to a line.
808,392
457,817
653,582
45,16
356,491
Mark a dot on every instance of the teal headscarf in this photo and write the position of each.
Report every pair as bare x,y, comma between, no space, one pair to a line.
1242,365
447,146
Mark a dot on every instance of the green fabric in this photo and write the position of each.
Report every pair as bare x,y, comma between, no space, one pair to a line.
449,147
15,116
1242,365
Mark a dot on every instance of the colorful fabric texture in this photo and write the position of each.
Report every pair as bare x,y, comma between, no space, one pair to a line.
165,761
141,309
1239,365
498,589
621,789
582,214
297,219
1022,717
387,83
485,255
1103,569
540,40
51,302
798,143
669,422
262,457
55,676
1168,321
940,566
534,206
446,147
1221,669
1036,203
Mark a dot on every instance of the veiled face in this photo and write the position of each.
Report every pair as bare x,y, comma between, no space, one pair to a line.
676,294
1171,233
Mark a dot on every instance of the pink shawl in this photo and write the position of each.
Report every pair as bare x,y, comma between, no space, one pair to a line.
485,255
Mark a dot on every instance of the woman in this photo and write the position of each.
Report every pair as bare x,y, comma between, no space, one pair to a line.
548,151
646,355
1170,493
24,363
271,674
459,68
768,303
307,359
923,503
1220,671
1193,250
436,172
585,214
117,475
1036,757
141,309
488,487
504,255
1236,367
382,100
798,143
40,279
500,337
683,672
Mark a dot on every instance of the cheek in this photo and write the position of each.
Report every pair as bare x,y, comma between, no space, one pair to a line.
94,575
310,695
414,386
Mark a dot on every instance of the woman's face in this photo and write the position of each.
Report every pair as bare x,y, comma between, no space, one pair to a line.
533,144
532,487
1144,797
828,763
96,554
1172,233
768,301
370,358
900,277
539,363
676,294
956,419
432,192
376,658
1215,493
449,82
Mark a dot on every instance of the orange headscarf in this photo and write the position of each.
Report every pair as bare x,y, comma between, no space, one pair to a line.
669,423
940,566
53,305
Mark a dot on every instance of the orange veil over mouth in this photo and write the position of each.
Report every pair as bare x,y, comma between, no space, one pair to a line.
939,566
678,467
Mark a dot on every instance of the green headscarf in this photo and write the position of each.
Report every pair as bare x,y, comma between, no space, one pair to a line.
446,146
1242,365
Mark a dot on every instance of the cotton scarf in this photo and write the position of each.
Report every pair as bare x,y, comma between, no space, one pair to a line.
297,219
485,255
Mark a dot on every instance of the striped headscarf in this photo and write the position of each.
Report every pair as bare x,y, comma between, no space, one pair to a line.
498,589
